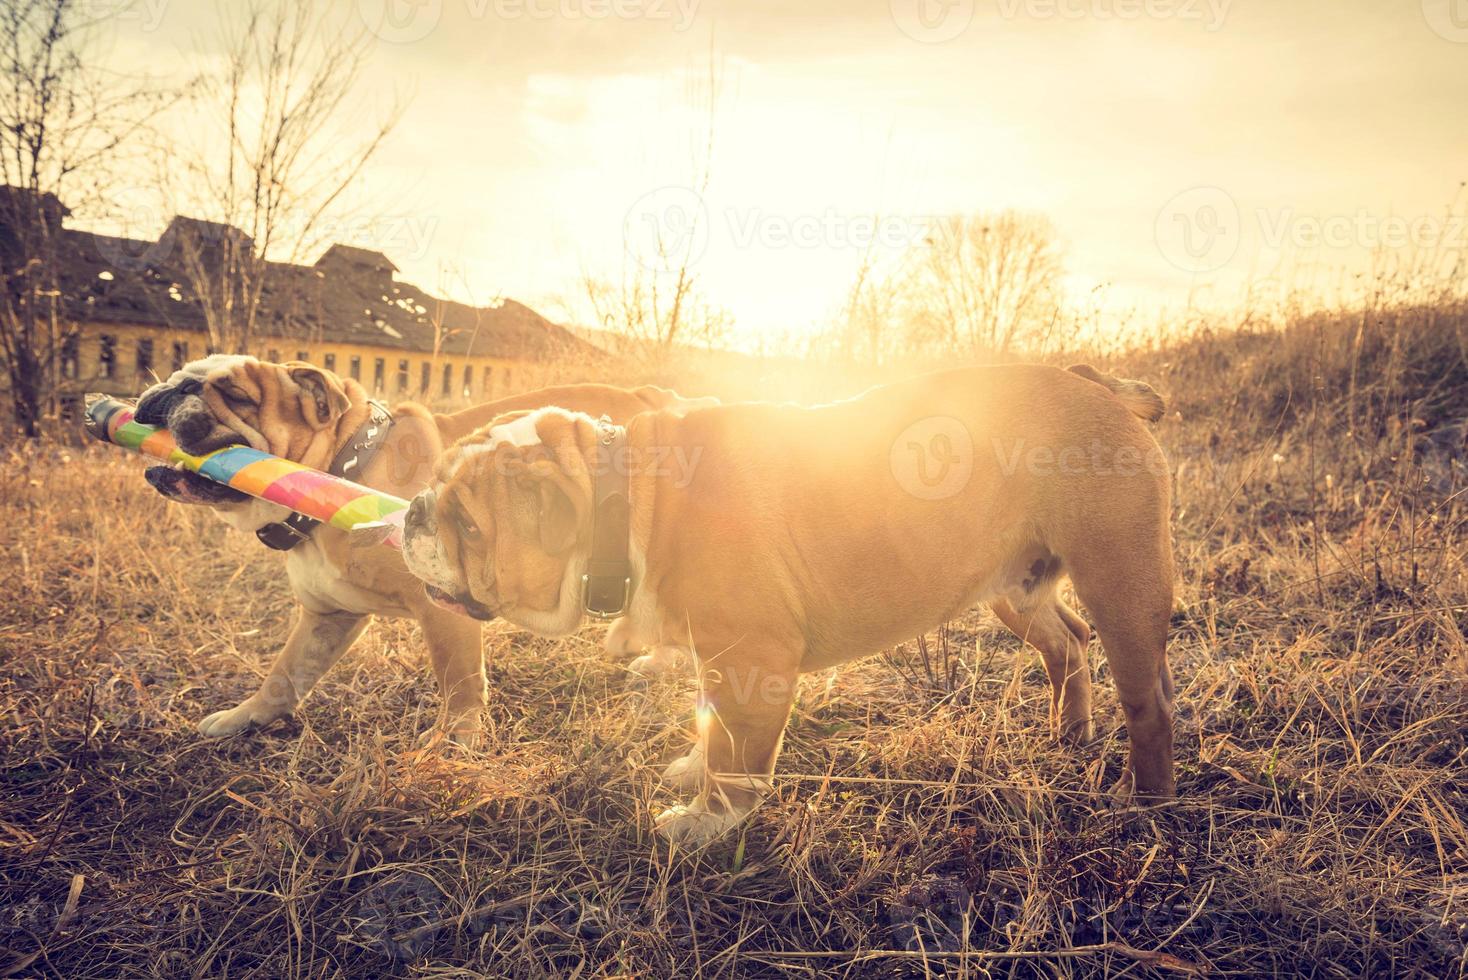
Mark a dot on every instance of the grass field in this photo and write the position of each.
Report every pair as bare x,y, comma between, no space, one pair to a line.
925,823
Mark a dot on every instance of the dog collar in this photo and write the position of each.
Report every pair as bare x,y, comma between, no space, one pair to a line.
349,463
607,585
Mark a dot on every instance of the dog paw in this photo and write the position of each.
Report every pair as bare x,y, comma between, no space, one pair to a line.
472,739
1125,792
694,824
653,663
686,772
242,717
1076,734
620,640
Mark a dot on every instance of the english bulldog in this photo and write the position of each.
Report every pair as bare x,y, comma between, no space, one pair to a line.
773,540
315,417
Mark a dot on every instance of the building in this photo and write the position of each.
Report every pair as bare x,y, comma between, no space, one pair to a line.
134,318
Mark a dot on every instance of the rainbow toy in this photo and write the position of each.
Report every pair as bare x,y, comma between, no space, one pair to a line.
330,499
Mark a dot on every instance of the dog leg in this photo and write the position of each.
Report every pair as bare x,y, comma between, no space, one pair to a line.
316,642
741,716
1128,592
456,650
1061,637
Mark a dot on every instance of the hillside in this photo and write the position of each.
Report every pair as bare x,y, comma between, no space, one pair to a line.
926,823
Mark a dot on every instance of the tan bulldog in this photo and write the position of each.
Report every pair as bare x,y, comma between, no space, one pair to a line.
315,417
773,540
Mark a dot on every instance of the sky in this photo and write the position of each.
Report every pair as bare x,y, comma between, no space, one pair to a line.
1186,150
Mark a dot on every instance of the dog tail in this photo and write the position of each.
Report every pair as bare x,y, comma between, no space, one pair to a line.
1138,396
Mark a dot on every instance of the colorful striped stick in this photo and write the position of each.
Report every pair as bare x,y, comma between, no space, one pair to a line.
330,499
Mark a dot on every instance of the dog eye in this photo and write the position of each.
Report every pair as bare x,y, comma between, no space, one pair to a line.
467,528
236,396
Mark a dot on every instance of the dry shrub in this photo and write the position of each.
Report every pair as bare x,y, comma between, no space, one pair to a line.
925,821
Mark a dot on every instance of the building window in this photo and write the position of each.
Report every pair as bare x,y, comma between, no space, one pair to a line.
107,356
356,369
488,379
468,380
508,375
329,362
180,354
144,355
379,372
71,406
303,355
70,356
448,380
273,356
426,378
403,375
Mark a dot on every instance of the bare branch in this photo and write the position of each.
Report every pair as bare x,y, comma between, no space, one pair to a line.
65,123
280,171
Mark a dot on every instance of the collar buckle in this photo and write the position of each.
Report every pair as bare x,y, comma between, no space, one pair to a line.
607,431
285,535
605,596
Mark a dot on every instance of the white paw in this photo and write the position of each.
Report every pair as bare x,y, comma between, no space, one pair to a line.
686,772
620,640
658,660
694,824
248,714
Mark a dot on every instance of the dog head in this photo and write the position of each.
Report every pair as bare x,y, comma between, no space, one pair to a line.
289,410
505,530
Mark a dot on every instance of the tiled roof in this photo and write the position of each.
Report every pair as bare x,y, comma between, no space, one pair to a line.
351,255
348,296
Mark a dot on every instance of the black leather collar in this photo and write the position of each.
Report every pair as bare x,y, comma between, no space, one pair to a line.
349,463
607,584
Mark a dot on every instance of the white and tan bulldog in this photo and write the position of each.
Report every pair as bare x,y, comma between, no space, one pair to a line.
312,416
774,540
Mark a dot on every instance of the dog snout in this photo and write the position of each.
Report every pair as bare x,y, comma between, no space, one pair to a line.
191,424
420,510
158,402
196,429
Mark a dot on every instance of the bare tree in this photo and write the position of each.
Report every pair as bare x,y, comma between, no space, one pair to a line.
976,284
64,121
453,278
654,317
874,325
656,309
268,182
990,280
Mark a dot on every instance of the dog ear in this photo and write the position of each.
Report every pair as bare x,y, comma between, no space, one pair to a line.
323,399
551,501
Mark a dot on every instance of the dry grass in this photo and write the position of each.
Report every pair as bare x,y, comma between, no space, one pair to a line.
925,822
